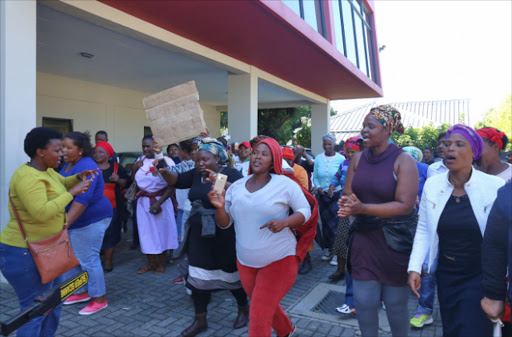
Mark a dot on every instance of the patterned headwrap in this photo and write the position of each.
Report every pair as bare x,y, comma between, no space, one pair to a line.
352,143
388,116
216,148
107,147
493,135
471,135
414,152
329,137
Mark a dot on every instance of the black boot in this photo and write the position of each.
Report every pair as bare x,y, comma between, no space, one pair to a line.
199,325
306,266
243,317
339,274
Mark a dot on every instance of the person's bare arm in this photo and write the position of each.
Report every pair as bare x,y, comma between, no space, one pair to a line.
157,206
170,177
75,211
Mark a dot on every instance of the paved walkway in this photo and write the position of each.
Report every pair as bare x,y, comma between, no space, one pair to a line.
150,305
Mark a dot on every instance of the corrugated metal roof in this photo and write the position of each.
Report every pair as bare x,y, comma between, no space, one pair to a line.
414,114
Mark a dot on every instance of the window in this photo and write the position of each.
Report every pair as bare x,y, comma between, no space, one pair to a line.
60,124
354,34
310,11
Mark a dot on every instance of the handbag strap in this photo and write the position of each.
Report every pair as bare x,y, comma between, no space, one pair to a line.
17,217
22,229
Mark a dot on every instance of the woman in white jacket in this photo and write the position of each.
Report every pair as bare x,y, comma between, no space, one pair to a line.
453,215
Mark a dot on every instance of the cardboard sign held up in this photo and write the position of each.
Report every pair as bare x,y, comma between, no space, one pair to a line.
175,114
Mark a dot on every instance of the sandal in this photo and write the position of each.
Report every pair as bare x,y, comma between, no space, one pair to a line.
146,269
160,269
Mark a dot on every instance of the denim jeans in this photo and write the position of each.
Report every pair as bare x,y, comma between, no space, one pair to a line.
428,289
86,243
349,290
181,219
18,267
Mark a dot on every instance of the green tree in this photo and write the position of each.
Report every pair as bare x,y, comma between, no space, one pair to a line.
303,136
499,118
281,123
420,137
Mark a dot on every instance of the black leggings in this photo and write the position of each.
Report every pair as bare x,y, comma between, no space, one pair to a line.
201,299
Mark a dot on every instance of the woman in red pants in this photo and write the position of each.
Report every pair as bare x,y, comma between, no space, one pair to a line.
267,250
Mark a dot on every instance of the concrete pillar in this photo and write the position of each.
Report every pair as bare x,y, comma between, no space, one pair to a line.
17,89
320,125
242,107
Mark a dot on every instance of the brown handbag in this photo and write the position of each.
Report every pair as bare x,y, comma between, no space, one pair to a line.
53,255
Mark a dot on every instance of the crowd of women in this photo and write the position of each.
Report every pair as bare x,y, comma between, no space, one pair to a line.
386,217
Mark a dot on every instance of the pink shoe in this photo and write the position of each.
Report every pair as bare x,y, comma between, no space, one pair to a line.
77,299
178,280
93,307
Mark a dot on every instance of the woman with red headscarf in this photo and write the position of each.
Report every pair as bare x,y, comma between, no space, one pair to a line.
489,162
268,252
115,177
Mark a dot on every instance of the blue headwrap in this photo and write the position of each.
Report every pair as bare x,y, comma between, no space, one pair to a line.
216,148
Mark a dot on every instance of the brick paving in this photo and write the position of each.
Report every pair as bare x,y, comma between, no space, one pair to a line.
151,305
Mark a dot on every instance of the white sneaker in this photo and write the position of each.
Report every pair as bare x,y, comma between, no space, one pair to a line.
327,256
345,309
383,305
334,261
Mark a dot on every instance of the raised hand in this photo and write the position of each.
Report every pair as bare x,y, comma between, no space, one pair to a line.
217,200
81,187
156,147
89,173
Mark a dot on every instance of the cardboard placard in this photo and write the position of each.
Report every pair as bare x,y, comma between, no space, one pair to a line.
175,114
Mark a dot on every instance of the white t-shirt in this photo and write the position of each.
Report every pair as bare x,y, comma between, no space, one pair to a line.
507,174
257,247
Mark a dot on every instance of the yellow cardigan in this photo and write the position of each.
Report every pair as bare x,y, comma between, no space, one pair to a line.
40,197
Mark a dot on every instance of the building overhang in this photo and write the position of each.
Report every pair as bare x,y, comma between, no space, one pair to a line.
265,34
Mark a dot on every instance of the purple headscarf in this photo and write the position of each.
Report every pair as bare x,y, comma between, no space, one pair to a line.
471,135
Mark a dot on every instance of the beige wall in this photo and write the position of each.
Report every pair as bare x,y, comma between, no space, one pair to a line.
93,106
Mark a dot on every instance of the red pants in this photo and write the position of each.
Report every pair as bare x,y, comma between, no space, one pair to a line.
266,287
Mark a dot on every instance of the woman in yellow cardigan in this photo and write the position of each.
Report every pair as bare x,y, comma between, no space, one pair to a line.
40,195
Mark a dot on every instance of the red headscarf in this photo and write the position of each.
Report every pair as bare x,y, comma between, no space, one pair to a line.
493,135
277,155
107,147
306,233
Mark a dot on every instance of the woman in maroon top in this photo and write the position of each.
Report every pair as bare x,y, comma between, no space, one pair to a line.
380,191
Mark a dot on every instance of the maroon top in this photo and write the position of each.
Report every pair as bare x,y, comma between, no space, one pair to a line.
371,258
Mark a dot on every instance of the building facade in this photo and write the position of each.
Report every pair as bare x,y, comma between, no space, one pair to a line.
86,65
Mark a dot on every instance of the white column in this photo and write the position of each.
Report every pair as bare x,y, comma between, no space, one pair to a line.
242,107
17,89
320,125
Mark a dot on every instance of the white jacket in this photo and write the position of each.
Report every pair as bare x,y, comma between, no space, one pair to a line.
481,190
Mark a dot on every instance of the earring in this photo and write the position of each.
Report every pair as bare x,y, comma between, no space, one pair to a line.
80,153
42,155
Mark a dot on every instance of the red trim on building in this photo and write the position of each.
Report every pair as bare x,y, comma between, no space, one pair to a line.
266,34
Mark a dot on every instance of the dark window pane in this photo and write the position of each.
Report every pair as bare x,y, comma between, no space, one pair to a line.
60,124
